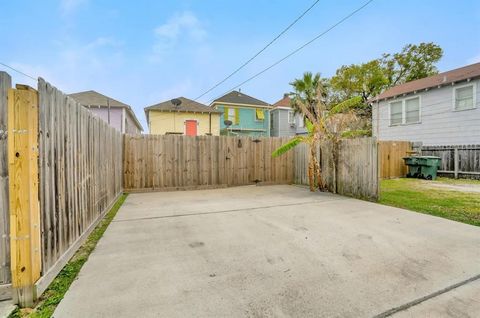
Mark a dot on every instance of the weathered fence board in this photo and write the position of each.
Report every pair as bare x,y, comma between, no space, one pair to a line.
80,176
357,167
5,275
167,162
457,160
391,155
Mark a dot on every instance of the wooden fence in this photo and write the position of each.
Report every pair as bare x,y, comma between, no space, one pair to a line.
391,155
154,162
357,167
5,277
457,161
80,176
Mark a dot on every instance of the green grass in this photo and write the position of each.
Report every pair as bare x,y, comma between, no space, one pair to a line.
422,196
57,289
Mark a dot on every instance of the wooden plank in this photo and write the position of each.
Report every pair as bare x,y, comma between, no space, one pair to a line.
5,278
23,187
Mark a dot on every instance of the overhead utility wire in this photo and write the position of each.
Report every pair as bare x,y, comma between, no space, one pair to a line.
298,49
20,72
259,52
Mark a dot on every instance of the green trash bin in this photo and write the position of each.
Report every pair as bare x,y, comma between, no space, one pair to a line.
429,166
414,168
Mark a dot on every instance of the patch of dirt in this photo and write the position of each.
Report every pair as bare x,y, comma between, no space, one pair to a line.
474,188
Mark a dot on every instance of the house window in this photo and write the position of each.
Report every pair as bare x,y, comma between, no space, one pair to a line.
291,117
259,115
412,110
301,121
231,114
464,97
396,113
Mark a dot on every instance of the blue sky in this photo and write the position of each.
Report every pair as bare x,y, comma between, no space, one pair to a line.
144,52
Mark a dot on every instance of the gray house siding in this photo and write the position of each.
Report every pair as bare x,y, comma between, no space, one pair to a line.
280,127
440,123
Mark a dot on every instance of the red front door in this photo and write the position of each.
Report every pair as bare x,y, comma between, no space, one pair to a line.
191,127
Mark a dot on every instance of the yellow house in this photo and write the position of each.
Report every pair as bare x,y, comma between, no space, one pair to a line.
183,116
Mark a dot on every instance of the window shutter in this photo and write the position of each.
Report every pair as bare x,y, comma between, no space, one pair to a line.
225,113
237,116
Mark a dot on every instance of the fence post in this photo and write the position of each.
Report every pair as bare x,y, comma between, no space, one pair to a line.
23,185
456,162
5,84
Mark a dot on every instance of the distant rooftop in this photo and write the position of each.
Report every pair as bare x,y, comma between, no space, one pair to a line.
95,99
236,97
284,102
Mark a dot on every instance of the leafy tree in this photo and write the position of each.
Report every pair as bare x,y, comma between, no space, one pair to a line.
412,63
370,79
365,80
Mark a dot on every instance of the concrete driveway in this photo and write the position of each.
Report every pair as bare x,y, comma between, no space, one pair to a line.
276,251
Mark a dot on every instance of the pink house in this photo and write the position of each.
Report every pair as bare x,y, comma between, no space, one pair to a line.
115,113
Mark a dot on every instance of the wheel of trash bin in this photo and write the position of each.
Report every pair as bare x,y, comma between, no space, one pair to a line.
409,175
429,177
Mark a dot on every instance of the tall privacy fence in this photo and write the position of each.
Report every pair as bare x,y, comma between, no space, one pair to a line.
154,162
68,172
67,167
355,172
457,161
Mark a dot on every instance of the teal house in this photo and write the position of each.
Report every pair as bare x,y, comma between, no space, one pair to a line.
248,116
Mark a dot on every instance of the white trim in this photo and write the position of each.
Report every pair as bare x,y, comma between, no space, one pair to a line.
216,104
404,117
454,96
290,122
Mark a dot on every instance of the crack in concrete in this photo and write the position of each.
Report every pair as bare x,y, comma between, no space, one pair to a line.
420,300
226,211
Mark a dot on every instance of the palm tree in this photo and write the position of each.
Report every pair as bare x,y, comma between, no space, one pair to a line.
305,90
322,124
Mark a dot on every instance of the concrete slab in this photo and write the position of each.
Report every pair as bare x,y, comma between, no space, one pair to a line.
276,251
6,308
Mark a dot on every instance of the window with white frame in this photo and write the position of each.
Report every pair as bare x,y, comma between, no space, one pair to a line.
405,111
412,110
301,121
396,113
231,115
464,97
291,117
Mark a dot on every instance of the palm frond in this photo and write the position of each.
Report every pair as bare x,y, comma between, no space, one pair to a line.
287,146
350,103
309,126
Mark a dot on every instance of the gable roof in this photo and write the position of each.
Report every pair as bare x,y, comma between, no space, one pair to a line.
236,97
93,98
284,102
460,74
187,106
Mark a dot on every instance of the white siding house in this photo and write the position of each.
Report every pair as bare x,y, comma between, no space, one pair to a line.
443,109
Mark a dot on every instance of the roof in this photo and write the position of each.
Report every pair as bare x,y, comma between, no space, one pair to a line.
236,97
93,98
284,102
187,106
450,77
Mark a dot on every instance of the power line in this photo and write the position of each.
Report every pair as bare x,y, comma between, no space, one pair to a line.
298,49
20,72
259,52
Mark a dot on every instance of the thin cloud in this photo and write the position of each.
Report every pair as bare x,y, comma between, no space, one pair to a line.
70,6
183,26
